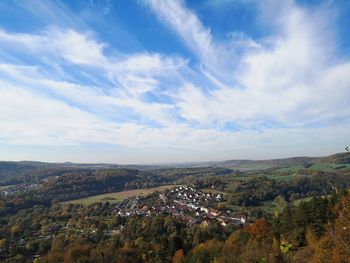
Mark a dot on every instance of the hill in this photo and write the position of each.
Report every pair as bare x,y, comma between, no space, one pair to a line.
15,172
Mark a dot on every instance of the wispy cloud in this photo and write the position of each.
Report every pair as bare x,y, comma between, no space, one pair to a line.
281,79
240,96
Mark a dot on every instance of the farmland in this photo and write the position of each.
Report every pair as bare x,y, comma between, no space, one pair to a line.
2,188
118,196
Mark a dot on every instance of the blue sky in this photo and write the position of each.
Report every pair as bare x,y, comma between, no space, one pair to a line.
154,81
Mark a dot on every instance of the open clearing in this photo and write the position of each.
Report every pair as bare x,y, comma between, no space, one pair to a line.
329,166
117,197
4,187
298,201
252,167
290,169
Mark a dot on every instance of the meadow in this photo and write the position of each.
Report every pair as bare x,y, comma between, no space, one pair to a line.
4,187
118,197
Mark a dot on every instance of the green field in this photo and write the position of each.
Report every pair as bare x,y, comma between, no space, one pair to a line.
316,166
4,187
252,167
298,201
118,196
329,166
321,166
290,169
269,207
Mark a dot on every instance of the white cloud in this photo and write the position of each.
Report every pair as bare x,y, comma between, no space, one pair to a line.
130,76
284,91
282,79
213,56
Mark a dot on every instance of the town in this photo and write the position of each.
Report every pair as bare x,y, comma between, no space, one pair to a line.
23,188
191,205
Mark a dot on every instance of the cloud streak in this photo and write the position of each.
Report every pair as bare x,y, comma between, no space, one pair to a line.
239,97
283,79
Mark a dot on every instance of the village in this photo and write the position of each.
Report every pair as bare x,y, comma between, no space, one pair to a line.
17,188
191,205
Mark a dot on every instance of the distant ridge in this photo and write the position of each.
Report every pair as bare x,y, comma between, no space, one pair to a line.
274,162
9,168
334,158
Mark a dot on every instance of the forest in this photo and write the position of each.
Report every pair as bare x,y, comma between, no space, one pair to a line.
296,213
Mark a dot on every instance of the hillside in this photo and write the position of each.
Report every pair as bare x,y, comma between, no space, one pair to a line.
338,158
10,170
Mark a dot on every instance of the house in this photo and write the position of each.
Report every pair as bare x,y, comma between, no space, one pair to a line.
140,213
214,212
222,221
189,219
240,218
219,197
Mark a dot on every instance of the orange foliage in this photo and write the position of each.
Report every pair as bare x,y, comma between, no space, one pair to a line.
179,256
341,233
77,252
258,230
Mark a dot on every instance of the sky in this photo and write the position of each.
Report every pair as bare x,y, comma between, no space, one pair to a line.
160,81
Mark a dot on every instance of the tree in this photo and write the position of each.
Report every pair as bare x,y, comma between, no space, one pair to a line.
341,233
179,256
205,252
78,253
57,244
258,230
233,246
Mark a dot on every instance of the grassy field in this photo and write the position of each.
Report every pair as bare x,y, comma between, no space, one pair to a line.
290,169
269,207
118,196
321,166
5,187
298,201
315,166
329,166
252,167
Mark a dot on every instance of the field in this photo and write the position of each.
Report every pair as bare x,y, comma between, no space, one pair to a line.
329,166
298,201
5,187
251,167
290,169
118,196
268,207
